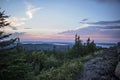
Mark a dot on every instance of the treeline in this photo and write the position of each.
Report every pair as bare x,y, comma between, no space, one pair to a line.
80,50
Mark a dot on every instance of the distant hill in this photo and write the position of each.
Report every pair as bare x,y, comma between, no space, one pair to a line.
60,46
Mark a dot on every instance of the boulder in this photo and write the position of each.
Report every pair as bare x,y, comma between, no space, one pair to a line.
117,70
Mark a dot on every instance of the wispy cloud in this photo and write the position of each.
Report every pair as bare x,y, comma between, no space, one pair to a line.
30,10
85,20
27,28
109,27
106,22
108,1
101,30
14,21
103,23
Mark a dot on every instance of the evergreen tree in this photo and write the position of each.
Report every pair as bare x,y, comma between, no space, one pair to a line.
91,46
88,50
13,65
78,47
4,23
88,41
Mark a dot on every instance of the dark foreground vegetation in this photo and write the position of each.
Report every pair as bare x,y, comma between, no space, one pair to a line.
18,64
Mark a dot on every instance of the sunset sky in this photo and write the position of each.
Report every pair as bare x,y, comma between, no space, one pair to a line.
60,20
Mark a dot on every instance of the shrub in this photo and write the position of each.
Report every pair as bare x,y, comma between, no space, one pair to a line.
65,72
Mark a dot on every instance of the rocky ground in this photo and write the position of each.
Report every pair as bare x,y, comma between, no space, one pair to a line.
101,67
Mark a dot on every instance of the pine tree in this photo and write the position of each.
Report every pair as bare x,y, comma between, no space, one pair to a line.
88,46
88,41
91,46
4,23
77,47
12,63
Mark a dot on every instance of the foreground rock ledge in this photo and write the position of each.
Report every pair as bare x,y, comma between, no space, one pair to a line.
101,67
117,70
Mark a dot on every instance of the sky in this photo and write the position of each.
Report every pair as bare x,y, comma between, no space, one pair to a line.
60,20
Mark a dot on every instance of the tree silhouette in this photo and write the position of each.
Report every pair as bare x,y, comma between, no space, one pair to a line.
4,23
12,63
91,46
88,41
77,47
81,50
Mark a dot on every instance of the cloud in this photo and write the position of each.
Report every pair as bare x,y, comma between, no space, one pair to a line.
108,1
96,33
85,20
13,28
15,21
27,28
18,33
110,27
106,22
103,23
101,30
31,10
